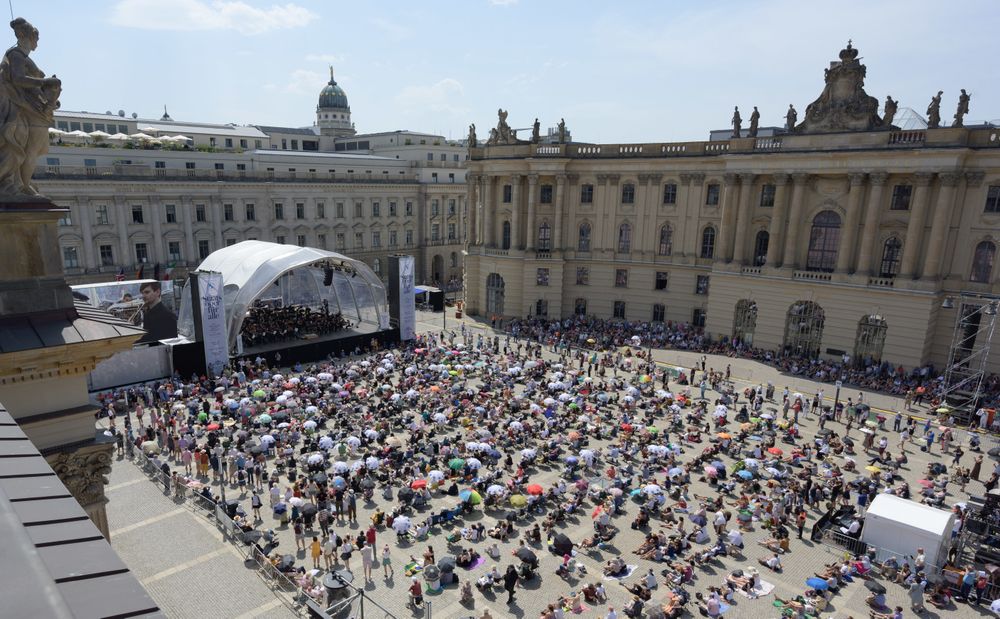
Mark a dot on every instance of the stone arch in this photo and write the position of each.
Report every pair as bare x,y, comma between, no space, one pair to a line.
745,321
804,323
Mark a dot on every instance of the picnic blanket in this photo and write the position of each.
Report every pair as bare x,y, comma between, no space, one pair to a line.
628,572
762,589
479,561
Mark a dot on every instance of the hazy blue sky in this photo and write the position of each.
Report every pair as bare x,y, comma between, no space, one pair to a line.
617,71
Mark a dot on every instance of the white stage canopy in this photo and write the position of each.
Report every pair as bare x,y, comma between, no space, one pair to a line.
292,275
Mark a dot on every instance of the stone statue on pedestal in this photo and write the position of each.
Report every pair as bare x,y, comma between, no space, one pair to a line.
963,108
27,101
562,130
502,134
791,118
890,111
472,136
754,121
843,105
535,130
934,111
737,122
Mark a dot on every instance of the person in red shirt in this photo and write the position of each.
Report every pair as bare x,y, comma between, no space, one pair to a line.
416,592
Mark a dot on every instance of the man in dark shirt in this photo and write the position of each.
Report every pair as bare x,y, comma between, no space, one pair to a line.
158,321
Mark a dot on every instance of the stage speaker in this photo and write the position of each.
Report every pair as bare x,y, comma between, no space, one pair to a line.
437,301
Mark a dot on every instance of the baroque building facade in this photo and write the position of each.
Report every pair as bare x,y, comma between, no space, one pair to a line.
143,192
839,236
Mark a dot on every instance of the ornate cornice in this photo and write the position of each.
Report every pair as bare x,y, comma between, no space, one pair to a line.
643,179
974,179
801,178
573,178
656,177
698,178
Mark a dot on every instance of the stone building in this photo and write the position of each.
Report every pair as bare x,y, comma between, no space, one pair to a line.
838,235
144,192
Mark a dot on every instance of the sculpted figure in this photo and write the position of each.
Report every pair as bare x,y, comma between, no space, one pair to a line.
890,111
472,136
754,121
791,118
737,122
535,130
27,101
562,130
963,108
934,111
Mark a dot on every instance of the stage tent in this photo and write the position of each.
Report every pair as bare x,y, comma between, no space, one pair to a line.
291,275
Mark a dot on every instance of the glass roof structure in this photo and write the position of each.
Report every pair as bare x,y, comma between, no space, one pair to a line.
291,275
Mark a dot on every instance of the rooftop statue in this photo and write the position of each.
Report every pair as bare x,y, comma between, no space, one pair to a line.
27,101
791,118
502,134
737,122
754,122
562,130
934,111
843,105
535,130
890,111
963,108
472,136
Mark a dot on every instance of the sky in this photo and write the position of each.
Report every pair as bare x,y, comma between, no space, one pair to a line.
618,72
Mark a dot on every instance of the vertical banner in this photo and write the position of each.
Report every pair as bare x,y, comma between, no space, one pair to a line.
402,302
213,322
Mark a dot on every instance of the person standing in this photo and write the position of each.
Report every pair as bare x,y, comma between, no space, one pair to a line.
976,466
316,551
386,562
509,582
367,560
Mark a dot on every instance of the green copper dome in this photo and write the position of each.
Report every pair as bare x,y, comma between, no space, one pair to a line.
333,95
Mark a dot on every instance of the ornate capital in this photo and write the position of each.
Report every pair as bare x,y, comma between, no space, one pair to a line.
532,179
729,178
515,179
781,178
560,179
878,178
747,178
656,177
974,179
698,178
602,179
643,179
83,472
856,178
922,179
686,179
614,178
949,179
801,178
573,178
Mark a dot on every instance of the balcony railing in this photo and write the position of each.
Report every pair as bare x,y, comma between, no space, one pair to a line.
543,255
907,138
143,172
750,270
881,282
495,251
818,276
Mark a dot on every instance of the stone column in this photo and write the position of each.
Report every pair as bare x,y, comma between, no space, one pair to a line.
941,224
728,225
912,246
598,231
83,472
515,211
530,231
155,213
126,256
791,258
187,216
873,214
680,240
83,212
571,239
776,229
557,234
742,228
489,212
472,221
215,212
846,250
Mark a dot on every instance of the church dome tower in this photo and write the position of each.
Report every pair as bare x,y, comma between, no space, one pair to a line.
333,114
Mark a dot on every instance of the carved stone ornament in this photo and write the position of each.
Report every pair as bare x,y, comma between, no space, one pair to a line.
502,134
844,105
83,473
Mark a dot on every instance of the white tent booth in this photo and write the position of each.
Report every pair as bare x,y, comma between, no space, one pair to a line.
291,275
897,526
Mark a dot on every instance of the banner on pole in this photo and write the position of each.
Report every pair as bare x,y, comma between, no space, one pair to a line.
213,322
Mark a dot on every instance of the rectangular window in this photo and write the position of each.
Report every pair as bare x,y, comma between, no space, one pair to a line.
173,251
670,193
393,238
542,277
160,165
359,210
701,286
341,241
90,163
300,240
66,219
359,240
435,208
451,207
619,311
242,167
199,213
628,193
545,197
435,232
141,253
280,240
409,209
71,259
220,166
230,242
320,211
698,318
107,255
993,199
662,279
300,210
659,312
101,215
712,195
392,209
376,239
580,307
621,278
204,249
586,194
189,165
451,232
295,145
767,195
243,143
279,210
52,161
227,212
137,213
582,276
508,194
430,156
409,238
541,307
171,212
340,210
250,212
321,241
376,209
901,197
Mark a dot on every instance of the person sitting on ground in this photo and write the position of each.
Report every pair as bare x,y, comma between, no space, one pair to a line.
614,567
772,563
779,546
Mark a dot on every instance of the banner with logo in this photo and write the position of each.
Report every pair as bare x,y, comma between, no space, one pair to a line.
213,322
407,300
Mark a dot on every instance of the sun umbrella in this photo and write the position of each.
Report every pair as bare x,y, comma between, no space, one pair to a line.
456,463
470,496
436,476
418,484
817,583
473,463
315,459
518,500
371,434
615,492
267,439
353,441
495,490
372,462
724,435
873,469
573,435
401,524
652,489
674,472
213,426
875,587
339,482
309,425
744,474
534,489
775,451
296,501
260,393
524,554
340,468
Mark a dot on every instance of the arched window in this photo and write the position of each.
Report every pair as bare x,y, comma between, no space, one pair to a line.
892,253
870,339
824,239
545,237
624,239
505,235
804,329
666,240
760,248
494,294
982,262
584,243
708,242
745,321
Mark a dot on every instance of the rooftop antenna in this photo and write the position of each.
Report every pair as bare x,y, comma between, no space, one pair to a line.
10,4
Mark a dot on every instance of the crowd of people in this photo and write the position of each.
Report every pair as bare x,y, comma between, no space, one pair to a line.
265,324
492,450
